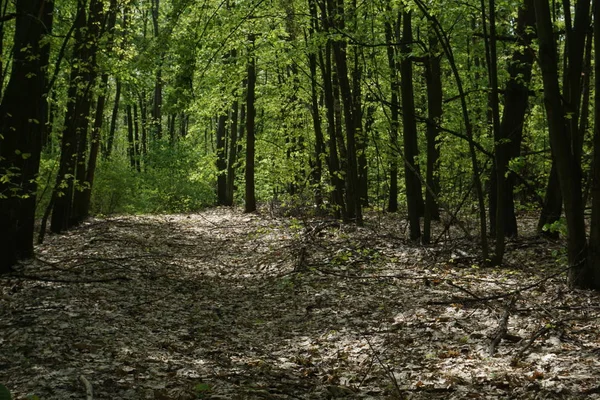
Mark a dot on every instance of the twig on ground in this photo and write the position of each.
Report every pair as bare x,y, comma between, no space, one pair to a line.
502,329
540,332
89,393
501,295
57,280
467,291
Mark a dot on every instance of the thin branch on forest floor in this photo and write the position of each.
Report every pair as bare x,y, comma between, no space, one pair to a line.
501,295
387,369
89,393
502,329
467,291
57,280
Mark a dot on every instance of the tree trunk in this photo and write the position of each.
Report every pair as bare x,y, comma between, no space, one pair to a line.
86,195
130,137
334,162
113,121
433,77
157,100
317,163
414,195
594,245
567,163
221,160
20,143
72,170
353,205
250,204
516,100
232,155
393,36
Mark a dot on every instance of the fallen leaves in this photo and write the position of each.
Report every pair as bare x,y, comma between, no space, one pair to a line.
224,305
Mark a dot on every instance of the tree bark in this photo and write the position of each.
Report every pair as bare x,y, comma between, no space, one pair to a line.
353,205
250,203
433,78
221,160
20,123
561,139
414,195
72,170
594,245
516,101
393,36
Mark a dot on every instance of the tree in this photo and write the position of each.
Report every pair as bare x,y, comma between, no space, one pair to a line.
412,175
563,133
250,204
21,116
68,196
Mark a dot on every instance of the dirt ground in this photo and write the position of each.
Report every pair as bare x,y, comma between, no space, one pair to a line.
226,305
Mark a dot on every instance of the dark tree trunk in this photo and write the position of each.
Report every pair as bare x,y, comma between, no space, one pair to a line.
72,169
113,121
157,98
414,195
516,100
136,140
130,137
232,155
568,164
317,162
221,160
144,123
594,245
393,36
86,194
353,205
20,144
333,160
433,77
250,203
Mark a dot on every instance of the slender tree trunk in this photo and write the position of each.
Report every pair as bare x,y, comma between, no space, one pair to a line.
86,195
157,102
317,163
393,36
561,139
334,165
594,245
20,143
414,195
250,204
144,123
72,170
113,121
433,77
445,43
232,155
353,205
221,160
516,100
130,137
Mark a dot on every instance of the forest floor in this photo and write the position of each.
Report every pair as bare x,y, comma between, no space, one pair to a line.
226,305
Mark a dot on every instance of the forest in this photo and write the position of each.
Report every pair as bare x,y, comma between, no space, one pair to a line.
299,199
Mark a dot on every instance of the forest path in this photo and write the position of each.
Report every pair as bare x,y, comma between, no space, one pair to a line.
225,305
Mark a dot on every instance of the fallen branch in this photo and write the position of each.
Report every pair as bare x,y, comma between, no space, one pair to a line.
89,394
501,295
502,329
540,332
58,280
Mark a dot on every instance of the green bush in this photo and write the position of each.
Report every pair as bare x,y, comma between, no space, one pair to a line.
173,179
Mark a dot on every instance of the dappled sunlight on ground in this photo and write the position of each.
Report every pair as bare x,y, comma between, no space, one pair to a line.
226,305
